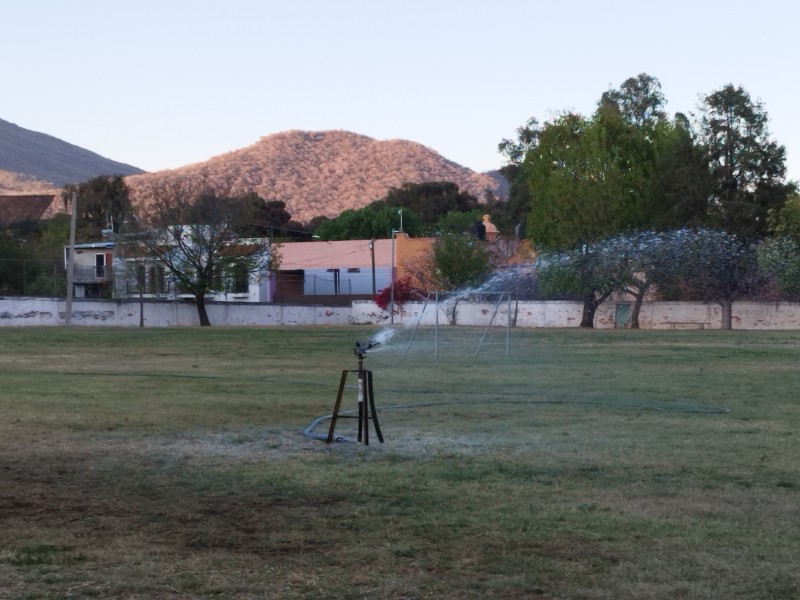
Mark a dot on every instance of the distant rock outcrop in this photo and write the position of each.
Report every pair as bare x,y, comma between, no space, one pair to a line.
32,156
326,172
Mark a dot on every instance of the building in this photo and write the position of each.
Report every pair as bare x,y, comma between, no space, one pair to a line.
341,271
101,271
93,270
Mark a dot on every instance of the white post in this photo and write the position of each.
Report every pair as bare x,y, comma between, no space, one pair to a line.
71,260
391,283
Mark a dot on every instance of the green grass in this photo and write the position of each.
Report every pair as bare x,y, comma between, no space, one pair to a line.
609,464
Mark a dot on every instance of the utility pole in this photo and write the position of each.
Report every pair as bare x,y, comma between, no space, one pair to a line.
372,254
71,260
391,291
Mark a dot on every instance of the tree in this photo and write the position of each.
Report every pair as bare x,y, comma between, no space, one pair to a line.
638,100
375,221
429,201
720,267
458,222
11,256
642,261
784,221
680,182
747,167
103,205
587,180
194,233
514,211
403,290
585,273
459,261
780,258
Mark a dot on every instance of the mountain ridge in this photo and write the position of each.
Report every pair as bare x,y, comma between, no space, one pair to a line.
322,173
47,159
316,173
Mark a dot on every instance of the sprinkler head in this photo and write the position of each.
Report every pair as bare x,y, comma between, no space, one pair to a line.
360,349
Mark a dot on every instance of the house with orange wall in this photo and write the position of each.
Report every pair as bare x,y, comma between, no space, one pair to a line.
344,270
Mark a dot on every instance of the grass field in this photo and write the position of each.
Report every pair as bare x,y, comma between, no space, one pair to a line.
588,464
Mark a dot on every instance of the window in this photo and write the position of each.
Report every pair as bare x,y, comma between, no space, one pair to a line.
99,266
241,280
102,265
141,276
157,281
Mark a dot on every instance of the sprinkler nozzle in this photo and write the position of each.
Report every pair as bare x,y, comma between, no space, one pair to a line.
360,349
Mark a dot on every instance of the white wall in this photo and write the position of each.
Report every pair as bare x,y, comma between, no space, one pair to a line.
655,315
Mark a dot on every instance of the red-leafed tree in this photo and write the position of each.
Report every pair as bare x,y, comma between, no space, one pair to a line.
404,291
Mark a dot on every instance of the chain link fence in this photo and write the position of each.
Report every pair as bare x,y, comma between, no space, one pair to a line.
26,277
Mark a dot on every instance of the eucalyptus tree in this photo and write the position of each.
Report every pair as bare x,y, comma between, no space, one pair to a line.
582,187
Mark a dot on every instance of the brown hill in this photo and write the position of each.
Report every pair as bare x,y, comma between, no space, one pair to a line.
18,183
323,173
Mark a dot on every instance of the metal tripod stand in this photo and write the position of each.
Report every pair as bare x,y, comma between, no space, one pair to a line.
366,399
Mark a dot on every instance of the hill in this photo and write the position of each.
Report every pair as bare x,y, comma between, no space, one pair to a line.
326,172
29,160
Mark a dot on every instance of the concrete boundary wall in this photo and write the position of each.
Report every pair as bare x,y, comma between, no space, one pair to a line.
18,312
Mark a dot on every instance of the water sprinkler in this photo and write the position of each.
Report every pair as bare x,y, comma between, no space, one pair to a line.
366,397
361,350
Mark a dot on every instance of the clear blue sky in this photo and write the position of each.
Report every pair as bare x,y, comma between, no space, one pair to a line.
163,83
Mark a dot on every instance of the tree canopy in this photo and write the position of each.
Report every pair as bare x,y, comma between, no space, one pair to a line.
196,233
103,205
630,167
747,166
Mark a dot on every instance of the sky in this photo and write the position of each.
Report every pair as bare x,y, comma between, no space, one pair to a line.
160,84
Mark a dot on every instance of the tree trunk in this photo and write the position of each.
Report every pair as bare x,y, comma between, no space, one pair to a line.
589,308
637,307
727,314
200,300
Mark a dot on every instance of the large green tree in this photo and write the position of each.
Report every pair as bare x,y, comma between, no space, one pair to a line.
638,100
429,201
459,261
747,166
678,191
375,221
586,178
513,213
103,206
